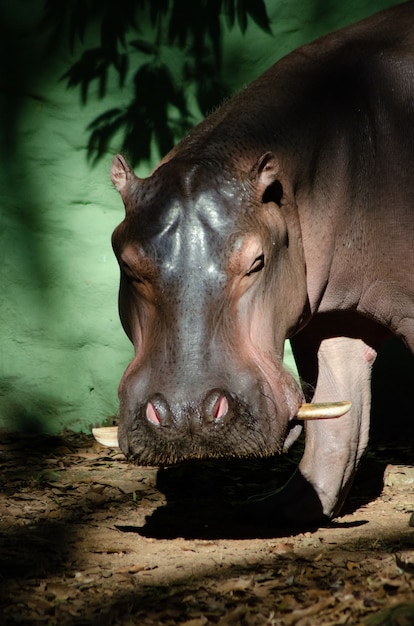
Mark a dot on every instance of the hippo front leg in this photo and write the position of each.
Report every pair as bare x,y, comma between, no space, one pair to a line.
334,446
337,369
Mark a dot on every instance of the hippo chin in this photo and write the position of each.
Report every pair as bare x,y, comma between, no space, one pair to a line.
288,213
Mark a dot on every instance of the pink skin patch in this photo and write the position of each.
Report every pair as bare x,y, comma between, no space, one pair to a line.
152,415
221,407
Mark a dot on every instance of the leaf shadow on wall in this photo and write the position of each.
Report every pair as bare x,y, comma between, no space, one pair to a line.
168,54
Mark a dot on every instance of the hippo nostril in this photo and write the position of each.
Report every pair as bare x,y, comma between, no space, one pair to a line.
158,411
152,414
221,407
215,406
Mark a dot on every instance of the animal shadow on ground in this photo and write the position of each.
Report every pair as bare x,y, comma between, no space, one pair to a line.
205,500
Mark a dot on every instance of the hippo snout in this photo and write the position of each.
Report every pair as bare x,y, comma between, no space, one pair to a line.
213,410
219,424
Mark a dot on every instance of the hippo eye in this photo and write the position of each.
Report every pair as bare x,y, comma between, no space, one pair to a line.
131,277
257,265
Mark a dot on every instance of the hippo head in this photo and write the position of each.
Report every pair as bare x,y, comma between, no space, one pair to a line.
212,283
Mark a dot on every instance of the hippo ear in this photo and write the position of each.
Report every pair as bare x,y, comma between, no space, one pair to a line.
121,175
265,178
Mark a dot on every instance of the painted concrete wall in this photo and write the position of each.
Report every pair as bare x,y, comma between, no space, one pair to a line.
62,349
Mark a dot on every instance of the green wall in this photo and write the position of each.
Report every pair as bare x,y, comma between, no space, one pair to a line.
62,348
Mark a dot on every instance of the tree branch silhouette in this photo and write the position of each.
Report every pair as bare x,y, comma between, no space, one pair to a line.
110,33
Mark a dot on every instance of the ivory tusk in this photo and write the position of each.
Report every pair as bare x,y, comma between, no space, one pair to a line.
107,436
323,410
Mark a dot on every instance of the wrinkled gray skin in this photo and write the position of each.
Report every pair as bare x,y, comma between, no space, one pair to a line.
288,213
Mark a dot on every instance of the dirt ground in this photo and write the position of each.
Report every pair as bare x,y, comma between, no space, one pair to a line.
88,539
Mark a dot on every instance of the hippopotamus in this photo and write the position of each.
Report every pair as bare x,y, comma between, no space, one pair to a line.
287,214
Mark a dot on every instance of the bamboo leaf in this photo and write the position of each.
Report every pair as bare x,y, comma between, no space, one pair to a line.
229,12
144,46
257,11
242,15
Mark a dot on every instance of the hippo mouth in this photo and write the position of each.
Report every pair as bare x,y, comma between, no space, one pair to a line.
246,438
239,434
